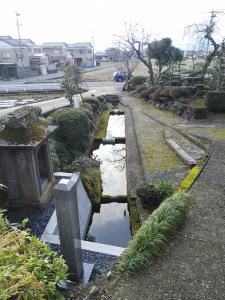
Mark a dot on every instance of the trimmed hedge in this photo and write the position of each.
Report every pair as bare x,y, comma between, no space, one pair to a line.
95,104
73,128
215,101
140,88
138,80
154,234
144,94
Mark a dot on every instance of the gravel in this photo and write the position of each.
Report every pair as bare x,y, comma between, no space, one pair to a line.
37,223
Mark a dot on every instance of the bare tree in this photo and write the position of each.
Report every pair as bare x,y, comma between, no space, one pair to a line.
128,61
138,44
205,31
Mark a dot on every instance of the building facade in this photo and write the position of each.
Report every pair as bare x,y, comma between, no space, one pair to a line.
14,58
83,54
58,54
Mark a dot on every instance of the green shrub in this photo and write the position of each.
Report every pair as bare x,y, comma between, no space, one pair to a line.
29,269
55,159
101,99
215,101
165,91
156,94
73,129
153,194
138,80
87,106
164,189
113,99
198,112
90,176
176,92
154,234
95,104
90,116
153,88
147,193
140,88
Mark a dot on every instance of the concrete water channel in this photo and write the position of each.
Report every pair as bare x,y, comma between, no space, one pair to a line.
111,224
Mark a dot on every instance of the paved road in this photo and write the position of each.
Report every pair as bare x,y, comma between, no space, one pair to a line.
94,88
30,87
33,78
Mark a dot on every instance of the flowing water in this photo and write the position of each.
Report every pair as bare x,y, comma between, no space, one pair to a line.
111,225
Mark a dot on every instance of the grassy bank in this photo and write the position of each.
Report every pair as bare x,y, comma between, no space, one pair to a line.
154,234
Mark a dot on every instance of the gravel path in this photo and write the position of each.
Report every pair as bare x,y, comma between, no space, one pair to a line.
193,265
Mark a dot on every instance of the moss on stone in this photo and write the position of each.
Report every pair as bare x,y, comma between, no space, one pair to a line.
92,185
186,184
134,216
102,128
34,131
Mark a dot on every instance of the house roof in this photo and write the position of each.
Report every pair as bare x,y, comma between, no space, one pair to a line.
27,42
5,37
13,42
3,44
80,45
54,44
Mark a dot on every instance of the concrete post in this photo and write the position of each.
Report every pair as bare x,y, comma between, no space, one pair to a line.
65,194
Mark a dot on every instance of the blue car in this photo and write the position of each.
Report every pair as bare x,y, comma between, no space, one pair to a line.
120,76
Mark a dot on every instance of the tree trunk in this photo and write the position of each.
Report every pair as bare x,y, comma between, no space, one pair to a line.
160,70
71,101
211,55
82,98
193,61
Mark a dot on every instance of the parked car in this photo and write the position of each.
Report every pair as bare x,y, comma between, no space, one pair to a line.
120,76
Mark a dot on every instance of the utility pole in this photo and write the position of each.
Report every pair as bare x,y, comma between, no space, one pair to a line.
20,42
93,45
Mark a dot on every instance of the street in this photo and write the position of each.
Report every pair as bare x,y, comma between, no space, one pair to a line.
94,88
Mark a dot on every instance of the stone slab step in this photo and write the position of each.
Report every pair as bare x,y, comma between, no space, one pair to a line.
188,160
86,245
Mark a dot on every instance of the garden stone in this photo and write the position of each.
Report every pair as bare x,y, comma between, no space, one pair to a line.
93,291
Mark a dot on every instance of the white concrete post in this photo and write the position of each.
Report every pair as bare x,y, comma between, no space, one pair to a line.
65,194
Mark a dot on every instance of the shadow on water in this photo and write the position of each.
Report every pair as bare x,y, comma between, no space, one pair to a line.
111,225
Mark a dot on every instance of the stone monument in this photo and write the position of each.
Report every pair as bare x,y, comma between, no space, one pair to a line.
25,159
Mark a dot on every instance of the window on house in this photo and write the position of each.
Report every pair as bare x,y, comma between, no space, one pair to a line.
6,54
89,50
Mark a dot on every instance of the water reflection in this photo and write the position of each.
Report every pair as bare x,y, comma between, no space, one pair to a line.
113,168
116,126
112,225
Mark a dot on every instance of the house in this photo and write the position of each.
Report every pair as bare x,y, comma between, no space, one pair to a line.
39,64
101,57
82,53
32,47
58,54
14,58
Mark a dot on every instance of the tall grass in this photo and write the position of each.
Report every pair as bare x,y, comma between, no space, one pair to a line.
29,269
153,236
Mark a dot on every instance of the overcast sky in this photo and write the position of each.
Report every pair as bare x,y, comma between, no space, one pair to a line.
80,21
